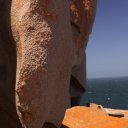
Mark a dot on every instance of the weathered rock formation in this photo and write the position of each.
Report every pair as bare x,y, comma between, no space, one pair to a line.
93,117
82,18
42,44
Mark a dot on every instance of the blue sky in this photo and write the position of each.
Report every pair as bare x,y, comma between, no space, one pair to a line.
107,51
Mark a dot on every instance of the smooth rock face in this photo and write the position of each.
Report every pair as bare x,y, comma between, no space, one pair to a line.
42,44
8,115
82,18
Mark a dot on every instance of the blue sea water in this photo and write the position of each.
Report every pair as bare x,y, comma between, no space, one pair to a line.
109,92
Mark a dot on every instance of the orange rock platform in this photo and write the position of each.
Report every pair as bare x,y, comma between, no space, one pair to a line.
89,117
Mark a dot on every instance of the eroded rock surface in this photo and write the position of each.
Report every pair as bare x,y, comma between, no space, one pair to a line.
42,44
43,38
82,18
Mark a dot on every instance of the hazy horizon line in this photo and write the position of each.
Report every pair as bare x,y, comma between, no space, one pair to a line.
107,77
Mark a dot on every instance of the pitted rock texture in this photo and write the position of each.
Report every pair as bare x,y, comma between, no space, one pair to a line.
43,71
42,44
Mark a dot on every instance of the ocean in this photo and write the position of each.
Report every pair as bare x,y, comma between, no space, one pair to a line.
108,92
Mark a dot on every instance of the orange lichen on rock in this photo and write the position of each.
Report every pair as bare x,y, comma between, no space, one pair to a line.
85,117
